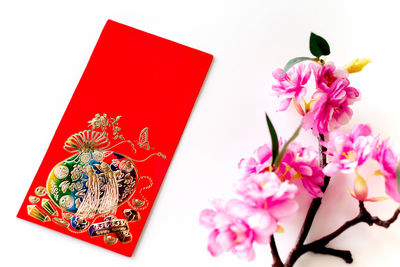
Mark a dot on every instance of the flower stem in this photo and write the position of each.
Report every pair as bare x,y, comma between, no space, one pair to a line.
363,216
312,211
275,254
319,246
343,254
322,160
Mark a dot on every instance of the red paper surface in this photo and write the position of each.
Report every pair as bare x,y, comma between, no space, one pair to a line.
148,81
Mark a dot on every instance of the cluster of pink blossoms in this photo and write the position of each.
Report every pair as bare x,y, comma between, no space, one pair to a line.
329,107
268,191
268,197
352,150
297,163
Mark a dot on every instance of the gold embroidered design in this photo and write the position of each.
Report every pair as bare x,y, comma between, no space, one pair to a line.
94,181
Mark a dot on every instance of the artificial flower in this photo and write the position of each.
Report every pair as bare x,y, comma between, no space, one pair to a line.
325,75
332,107
303,163
291,85
230,230
297,162
388,161
349,151
260,161
268,195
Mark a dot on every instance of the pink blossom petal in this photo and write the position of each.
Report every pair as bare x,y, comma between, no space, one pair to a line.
361,130
238,208
312,188
304,170
284,104
300,94
207,218
284,211
213,247
391,188
277,74
247,253
221,219
331,169
226,240
263,154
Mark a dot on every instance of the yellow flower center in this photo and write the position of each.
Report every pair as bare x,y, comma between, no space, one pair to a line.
308,106
351,155
297,175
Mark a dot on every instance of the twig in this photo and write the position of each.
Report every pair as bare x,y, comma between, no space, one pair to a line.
319,246
386,223
275,254
343,254
363,216
322,160
312,211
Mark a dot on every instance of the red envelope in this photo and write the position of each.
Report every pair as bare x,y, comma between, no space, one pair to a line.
112,148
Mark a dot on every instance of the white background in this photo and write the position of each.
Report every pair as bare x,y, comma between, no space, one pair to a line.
45,46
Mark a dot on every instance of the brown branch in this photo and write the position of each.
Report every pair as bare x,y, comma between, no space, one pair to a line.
297,251
322,160
388,222
363,216
319,246
275,254
312,210
343,254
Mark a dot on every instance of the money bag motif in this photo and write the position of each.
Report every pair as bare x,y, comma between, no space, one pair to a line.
93,182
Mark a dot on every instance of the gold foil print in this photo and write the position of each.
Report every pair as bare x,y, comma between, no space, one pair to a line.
40,191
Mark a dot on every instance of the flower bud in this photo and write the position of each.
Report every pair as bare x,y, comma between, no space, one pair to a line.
357,65
360,188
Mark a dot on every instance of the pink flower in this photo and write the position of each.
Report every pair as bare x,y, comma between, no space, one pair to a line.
230,230
326,74
349,150
260,161
303,163
268,195
332,107
388,161
291,84
298,162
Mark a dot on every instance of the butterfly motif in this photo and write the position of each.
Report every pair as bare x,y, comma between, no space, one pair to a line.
143,141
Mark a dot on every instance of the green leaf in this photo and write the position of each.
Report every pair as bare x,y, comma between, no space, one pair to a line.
319,46
293,62
285,146
274,139
398,177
